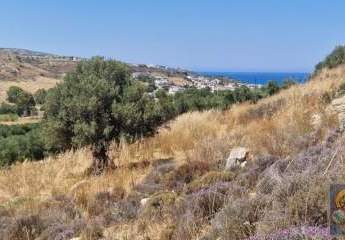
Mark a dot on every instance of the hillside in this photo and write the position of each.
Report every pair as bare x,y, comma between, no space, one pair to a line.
21,64
31,70
179,183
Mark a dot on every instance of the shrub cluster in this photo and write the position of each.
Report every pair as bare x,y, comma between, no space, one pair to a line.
24,101
21,103
20,142
193,99
334,59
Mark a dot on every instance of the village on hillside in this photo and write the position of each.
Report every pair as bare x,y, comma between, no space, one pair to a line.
175,80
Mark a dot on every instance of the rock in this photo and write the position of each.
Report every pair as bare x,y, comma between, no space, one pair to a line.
243,164
237,157
144,201
338,105
252,195
316,120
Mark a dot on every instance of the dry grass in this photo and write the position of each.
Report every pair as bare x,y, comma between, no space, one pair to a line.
188,129
28,85
273,134
65,174
23,120
274,126
270,127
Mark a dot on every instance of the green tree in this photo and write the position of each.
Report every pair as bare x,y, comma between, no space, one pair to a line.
272,88
13,94
98,103
24,101
40,96
288,83
6,108
335,58
25,104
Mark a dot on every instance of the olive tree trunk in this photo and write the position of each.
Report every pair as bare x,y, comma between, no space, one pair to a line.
101,160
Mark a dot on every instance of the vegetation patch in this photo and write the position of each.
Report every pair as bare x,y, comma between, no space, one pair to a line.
209,179
20,142
334,59
159,204
185,174
10,117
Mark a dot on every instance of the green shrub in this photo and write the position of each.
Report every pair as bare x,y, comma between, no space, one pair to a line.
8,117
40,96
14,93
20,142
334,59
193,99
22,129
23,100
6,108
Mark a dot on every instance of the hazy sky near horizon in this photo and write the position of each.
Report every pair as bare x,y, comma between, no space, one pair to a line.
215,35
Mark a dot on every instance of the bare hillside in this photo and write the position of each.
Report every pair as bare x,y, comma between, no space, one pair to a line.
17,65
31,70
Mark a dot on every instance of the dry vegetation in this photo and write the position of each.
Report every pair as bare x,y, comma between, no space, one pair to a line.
28,85
30,73
294,147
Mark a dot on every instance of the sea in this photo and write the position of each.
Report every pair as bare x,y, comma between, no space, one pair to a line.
261,77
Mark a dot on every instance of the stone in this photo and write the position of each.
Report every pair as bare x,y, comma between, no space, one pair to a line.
144,201
338,105
243,164
316,120
237,157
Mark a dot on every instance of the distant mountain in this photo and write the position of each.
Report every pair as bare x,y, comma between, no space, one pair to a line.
22,64
25,52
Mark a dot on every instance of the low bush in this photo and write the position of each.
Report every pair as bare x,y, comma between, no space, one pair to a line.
11,117
209,179
342,89
24,101
40,96
92,231
237,219
11,130
304,232
28,227
104,203
208,201
282,193
334,59
20,142
185,174
6,108
159,205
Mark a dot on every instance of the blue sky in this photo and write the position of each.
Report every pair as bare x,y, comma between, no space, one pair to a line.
219,35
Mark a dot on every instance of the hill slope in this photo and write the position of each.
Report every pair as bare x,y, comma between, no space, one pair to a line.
21,64
174,186
31,70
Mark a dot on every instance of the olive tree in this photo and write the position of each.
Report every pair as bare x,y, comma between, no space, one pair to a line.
40,96
23,100
95,104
